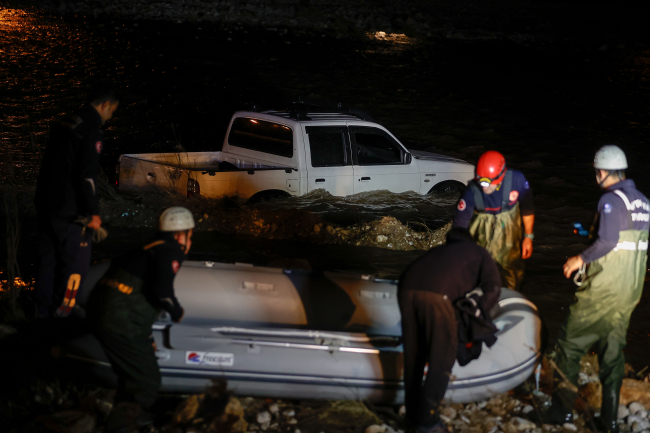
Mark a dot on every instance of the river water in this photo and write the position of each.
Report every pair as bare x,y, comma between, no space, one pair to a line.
546,107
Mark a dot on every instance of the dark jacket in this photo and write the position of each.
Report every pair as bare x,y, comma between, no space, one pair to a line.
456,269
67,181
136,287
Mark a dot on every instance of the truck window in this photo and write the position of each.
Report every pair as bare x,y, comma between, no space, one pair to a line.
373,146
262,136
328,146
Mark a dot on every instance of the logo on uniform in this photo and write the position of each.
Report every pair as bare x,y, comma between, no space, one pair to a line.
175,266
514,195
462,205
98,146
607,208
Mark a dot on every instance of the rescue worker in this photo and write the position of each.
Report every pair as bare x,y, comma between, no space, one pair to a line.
492,207
426,291
615,270
66,193
124,305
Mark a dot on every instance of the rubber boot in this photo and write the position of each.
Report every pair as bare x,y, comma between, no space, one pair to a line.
609,411
561,410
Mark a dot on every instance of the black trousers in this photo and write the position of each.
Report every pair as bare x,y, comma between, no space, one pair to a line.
134,361
64,259
429,333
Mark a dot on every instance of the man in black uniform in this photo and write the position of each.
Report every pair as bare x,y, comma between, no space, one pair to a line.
65,193
426,291
124,305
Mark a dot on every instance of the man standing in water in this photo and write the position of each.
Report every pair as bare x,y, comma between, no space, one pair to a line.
124,305
492,207
65,193
426,291
610,290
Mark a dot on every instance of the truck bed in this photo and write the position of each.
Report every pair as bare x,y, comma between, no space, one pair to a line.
219,174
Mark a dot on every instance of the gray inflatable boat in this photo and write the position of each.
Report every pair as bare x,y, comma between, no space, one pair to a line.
298,334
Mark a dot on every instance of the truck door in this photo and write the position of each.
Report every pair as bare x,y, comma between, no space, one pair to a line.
380,162
329,159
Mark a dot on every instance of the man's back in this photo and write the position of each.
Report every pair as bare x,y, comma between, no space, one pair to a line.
454,269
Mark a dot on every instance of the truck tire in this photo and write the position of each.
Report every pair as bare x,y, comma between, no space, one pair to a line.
269,194
451,187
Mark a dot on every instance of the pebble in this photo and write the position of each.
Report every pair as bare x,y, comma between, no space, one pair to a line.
375,428
289,413
402,410
633,419
521,423
623,412
640,426
264,420
636,407
569,427
527,409
274,408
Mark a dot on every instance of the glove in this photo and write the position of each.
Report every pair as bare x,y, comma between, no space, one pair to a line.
98,235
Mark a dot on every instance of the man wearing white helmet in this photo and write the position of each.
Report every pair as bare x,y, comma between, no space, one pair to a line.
124,305
613,271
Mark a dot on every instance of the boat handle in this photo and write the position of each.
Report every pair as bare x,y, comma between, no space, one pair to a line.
320,180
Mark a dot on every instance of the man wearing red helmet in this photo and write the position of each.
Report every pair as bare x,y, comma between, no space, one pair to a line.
492,208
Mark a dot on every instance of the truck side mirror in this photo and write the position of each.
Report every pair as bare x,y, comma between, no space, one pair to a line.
408,158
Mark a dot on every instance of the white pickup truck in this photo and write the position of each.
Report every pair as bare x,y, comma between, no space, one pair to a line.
272,154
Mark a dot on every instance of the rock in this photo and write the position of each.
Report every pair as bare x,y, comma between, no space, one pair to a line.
449,412
527,409
274,408
640,426
289,413
186,411
381,238
521,423
623,412
593,393
569,427
633,419
635,407
264,420
635,391
233,416
402,410
292,420
375,428
71,421
316,228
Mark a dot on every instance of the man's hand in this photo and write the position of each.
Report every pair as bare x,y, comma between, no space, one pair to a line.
180,318
155,348
572,264
95,223
526,248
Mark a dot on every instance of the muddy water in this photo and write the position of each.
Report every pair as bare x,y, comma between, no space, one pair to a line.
546,108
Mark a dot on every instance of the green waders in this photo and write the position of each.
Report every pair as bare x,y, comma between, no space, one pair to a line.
601,316
500,235
121,318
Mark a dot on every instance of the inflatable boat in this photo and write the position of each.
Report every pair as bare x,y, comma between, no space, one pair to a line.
299,334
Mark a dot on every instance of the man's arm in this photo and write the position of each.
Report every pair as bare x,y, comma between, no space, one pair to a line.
90,150
464,209
167,263
527,243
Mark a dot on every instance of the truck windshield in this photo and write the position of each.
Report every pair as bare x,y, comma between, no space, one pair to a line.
262,136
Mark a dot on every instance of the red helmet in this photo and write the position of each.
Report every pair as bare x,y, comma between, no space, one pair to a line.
490,168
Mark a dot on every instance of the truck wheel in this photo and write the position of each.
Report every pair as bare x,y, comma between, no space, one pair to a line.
450,187
267,195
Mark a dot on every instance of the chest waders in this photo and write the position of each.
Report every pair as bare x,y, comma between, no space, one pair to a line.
601,315
500,234
121,317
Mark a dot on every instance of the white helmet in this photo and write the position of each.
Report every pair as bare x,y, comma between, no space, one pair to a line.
610,157
175,219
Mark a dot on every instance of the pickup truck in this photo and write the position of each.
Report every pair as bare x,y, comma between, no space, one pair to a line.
276,153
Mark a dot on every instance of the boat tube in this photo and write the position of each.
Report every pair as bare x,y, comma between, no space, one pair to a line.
300,334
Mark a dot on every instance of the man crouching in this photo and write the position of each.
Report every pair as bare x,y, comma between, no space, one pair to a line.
124,305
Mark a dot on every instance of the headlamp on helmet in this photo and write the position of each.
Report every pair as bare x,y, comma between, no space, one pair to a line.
490,168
